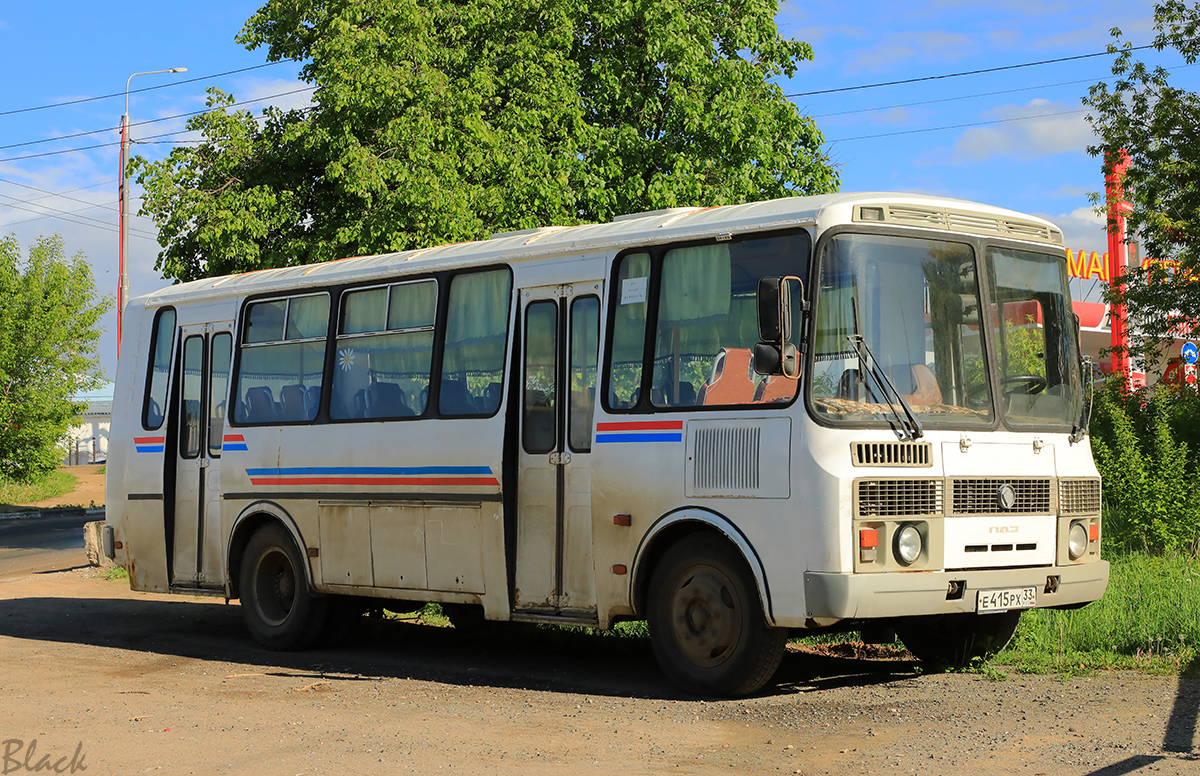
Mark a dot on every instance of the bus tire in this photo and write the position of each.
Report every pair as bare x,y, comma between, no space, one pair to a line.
957,640
277,605
707,625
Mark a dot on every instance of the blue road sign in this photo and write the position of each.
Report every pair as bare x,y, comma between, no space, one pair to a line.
1190,352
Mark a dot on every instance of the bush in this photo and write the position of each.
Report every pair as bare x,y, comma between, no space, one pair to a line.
1146,448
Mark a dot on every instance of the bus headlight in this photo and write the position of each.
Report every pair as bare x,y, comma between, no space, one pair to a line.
908,544
1077,541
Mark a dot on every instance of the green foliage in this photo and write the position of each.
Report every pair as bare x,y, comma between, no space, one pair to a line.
1155,123
25,494
1141,446
441,121
1148,619
49,318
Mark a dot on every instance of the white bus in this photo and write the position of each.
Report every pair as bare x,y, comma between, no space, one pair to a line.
846,412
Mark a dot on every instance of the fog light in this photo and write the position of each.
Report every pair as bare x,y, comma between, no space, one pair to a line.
908,544
1077,541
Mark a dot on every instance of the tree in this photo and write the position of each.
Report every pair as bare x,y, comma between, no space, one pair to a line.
49,317
447,120
1159,127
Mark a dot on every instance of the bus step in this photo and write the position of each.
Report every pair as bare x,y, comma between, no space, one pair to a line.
215,592
555,619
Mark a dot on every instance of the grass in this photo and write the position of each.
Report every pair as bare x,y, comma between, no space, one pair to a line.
1149,619
21,494
117,574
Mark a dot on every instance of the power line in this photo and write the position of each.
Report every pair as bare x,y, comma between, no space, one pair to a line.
75,214
55,194
143,89
155,121
962,73
147,140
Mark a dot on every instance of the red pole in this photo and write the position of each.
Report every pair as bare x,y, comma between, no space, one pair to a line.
1117,208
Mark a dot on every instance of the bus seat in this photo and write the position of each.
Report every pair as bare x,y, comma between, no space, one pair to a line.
294,400
775,388
924,386
687,395
314,400
455,399
491,397
730,382
386,400
260,405
848,385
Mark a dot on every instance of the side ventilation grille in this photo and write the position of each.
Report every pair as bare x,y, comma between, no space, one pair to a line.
891,498
892,453
727,459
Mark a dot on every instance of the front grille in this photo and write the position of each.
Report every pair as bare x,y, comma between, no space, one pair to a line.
891,498
1078,497
891,453
980,496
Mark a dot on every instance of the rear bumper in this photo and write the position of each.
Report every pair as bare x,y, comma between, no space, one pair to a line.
845,596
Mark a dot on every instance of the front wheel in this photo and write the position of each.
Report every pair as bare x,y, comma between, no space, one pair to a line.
957,640
706,623
277,605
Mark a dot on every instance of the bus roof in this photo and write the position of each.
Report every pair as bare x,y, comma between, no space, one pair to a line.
637,229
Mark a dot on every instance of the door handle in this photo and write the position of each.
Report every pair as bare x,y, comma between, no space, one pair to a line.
560,459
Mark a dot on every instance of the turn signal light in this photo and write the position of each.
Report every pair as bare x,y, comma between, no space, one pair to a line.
1093,532
868,541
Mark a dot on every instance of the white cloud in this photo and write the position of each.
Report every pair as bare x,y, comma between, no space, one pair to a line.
924,46
282,93
1038,128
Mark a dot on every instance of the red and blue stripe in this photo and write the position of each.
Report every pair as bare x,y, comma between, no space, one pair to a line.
640,431
233,442
149,444
375,475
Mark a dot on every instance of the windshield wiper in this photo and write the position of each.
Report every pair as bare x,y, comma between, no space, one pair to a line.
909,423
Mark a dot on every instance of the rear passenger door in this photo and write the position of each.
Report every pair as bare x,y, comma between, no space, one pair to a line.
202,374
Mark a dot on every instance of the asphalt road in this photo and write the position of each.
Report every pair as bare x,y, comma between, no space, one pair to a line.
40,544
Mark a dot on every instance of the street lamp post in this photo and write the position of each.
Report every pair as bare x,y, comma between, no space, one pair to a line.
123,236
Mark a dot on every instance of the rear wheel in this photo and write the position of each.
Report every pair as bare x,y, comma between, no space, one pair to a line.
957,640
706,623
277,605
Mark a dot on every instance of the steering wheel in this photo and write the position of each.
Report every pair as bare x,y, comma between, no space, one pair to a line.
976,395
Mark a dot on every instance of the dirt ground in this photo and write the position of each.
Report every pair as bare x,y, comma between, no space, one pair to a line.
134,683
89,492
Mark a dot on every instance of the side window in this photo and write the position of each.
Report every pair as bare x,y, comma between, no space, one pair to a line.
585,336
282,360
629,330
707,322
218,386
189,411
539,434
384,352
160,369
476,340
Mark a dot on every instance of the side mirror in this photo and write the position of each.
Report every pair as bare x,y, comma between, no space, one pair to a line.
775,354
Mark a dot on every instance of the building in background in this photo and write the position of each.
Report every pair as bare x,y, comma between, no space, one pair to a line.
87,440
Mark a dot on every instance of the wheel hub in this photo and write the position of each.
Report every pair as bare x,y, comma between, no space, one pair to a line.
705,616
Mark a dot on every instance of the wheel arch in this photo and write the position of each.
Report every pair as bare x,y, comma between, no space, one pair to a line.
675,526
253,517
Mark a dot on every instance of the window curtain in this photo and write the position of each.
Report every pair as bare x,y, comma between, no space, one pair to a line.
477,322
696,284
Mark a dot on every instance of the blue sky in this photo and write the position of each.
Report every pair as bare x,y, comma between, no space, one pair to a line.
914,137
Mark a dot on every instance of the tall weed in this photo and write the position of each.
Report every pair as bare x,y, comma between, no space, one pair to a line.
1146,449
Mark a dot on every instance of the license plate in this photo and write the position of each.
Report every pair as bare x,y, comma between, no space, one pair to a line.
1005,599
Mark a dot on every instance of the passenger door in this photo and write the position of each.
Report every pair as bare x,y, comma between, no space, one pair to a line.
203,380
554,573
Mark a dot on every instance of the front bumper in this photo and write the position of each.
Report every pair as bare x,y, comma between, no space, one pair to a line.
862,596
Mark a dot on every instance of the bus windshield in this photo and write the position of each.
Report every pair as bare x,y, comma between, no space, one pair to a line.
915,302
1034,331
